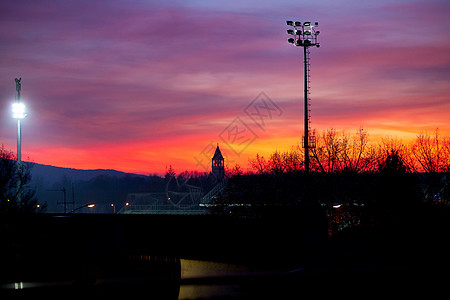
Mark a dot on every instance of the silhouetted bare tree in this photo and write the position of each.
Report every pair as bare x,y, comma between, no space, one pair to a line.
276,163
432,152
294,159
15,195
395,145
279,162
259,164
341,152
235,171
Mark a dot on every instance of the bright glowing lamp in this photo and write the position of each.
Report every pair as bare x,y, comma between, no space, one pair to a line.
18,110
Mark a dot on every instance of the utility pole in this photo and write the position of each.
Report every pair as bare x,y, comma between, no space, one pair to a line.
305,35
64,199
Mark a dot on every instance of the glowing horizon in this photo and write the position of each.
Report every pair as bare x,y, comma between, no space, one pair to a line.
141,86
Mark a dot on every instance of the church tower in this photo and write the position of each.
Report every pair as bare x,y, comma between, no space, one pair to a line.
218,168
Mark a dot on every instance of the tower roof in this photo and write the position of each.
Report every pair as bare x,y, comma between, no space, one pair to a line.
217,154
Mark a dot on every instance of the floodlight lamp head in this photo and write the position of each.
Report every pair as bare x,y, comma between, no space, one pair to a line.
18,110
307,24
297,23
18,84
291,40
298,42
290,31
316,24
290,23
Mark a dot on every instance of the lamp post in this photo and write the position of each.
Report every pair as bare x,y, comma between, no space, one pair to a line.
90,205
18,113
305,35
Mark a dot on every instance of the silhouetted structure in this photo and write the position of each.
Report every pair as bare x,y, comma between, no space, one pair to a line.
218,169
305,35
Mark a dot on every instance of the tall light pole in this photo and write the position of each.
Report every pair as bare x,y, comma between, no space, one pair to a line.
305,35
18,112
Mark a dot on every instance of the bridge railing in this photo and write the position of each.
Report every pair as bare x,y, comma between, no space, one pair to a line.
214,191
163,209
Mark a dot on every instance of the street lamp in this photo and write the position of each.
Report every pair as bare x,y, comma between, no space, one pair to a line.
90,205
337,205
305,35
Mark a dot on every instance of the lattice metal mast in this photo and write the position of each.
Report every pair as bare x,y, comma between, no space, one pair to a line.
305,35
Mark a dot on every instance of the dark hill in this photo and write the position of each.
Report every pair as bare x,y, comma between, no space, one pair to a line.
50,175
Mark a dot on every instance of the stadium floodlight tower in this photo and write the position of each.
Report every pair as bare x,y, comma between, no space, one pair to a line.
305,35
18,113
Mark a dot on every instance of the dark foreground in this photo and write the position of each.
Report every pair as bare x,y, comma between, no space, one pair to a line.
280,257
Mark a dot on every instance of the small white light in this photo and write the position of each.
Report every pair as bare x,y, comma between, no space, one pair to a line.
18,110
18,285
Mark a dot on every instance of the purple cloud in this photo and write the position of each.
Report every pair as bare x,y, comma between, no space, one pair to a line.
120,72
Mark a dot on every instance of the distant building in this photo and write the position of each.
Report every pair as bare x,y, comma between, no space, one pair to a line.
218,166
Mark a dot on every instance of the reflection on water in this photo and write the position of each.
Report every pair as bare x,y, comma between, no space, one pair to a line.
199,269
208,291
158,276
120,256
198,279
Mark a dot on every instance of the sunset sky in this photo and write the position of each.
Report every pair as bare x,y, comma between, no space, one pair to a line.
137,86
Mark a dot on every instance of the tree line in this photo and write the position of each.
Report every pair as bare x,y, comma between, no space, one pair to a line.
351,176
336,153
340,152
